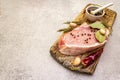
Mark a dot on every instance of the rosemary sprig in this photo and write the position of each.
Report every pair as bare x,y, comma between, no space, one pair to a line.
65,29
77,22
70,27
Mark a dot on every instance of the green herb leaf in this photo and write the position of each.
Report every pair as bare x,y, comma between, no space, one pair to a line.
97,25
101,38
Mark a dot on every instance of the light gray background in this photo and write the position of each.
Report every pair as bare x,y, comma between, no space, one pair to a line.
28,29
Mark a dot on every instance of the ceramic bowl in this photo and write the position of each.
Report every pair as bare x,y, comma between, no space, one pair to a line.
93,17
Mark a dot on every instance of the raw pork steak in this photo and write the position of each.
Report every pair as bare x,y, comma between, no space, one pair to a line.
79,40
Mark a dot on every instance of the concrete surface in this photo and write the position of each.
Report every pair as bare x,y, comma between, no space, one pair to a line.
28,29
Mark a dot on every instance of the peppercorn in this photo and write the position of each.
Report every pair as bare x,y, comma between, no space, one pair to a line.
71,34
77,35
81,34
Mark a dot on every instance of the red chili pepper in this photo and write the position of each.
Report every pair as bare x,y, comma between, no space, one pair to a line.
91,58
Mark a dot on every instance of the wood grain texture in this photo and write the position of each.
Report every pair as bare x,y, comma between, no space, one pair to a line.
65,60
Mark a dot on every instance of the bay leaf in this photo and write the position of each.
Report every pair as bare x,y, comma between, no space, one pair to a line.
97,25
100,37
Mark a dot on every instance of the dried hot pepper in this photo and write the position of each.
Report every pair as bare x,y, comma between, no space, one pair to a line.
91,58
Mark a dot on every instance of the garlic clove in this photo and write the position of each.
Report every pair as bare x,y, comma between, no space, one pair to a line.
103,31
73,24
77,61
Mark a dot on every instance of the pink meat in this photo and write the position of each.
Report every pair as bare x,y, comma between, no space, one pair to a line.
78,41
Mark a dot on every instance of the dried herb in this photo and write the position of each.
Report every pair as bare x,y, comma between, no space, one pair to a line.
91,58
97,25
100,37
65,29
77,22
70,27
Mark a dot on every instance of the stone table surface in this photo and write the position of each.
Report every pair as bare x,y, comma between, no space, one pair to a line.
28,29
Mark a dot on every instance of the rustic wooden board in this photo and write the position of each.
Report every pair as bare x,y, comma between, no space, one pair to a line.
65,60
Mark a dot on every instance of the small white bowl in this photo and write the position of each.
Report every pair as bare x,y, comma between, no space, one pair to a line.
92,17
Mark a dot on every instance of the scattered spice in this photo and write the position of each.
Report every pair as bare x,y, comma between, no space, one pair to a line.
88,34
86,40
71,34
74,37
89,38
82,34
92,30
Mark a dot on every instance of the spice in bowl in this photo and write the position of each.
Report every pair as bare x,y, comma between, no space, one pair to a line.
94,17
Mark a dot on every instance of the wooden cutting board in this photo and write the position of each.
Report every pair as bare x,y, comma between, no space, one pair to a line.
65,60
